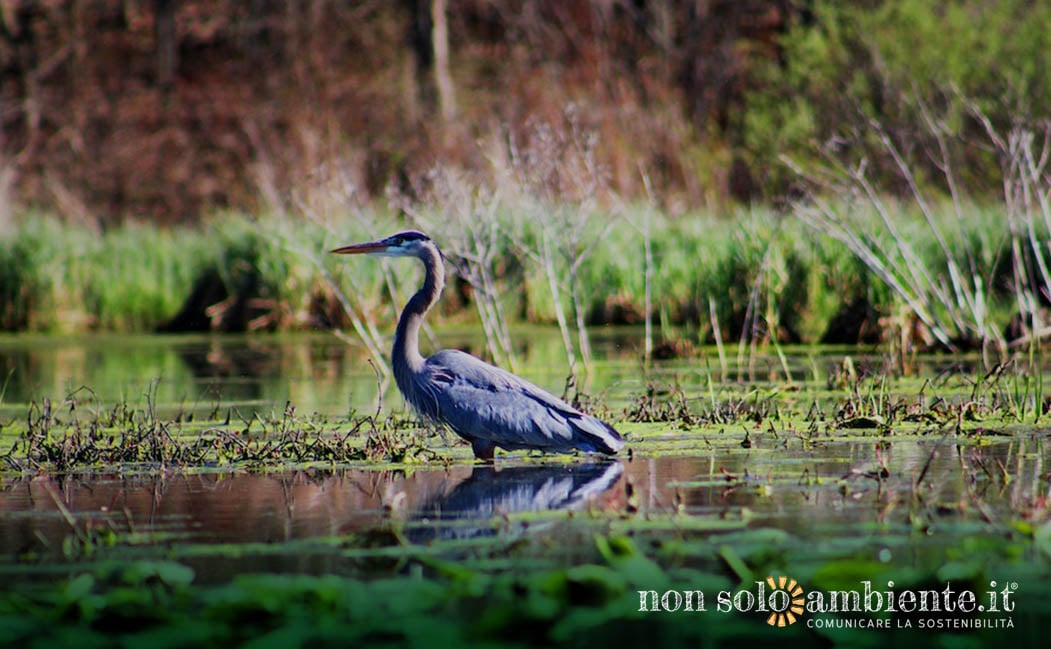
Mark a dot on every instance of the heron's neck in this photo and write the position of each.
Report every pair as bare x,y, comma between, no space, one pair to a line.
406,353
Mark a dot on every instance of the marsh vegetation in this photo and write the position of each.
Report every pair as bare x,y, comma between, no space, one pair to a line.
125,521
803,268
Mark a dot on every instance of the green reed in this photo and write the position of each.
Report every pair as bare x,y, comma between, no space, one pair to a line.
749,277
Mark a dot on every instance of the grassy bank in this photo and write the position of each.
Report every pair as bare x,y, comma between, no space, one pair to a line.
751,276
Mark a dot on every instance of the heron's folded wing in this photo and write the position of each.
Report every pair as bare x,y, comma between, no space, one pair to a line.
479,400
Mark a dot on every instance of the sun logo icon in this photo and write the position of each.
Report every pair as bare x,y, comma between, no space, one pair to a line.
785,600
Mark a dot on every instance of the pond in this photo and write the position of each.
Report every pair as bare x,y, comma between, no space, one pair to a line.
730,475
812,495
318,372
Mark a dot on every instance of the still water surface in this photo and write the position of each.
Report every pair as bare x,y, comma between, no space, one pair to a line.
809,491
318,372
814,497
314,372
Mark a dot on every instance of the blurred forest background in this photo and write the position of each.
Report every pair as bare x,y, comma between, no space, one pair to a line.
169,109
217,146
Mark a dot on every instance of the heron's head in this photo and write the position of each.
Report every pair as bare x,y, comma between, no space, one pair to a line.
403,244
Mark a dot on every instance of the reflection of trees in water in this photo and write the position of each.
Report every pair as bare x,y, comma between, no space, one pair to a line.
203,370
19,369
113,370
232,372
57,367
962,482
314,372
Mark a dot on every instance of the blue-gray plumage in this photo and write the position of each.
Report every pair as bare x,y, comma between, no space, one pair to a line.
487,406
467,512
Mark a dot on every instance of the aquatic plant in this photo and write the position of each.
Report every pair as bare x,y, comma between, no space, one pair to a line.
76,435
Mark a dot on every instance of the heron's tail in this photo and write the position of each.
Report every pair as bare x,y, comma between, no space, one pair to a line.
597,436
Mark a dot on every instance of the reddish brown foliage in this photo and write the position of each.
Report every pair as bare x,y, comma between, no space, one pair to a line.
107,113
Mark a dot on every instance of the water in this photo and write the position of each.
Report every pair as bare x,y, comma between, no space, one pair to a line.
680,483
320,373
315,372
812,496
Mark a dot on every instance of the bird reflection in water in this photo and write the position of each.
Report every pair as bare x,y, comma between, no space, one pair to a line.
472,507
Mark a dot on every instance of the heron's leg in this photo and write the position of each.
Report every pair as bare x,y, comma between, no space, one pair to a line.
483,449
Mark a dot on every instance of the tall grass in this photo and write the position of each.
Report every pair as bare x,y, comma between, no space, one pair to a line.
58,277
952,264
134,276
534,214
749,278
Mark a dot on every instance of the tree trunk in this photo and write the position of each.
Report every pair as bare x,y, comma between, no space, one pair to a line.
442,78
429,38
167,51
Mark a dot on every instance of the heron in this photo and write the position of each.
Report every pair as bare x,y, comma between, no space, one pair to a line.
485,405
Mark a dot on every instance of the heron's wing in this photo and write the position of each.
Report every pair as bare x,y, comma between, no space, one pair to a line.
479,400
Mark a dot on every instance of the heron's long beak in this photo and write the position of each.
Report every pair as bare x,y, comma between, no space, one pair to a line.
361,248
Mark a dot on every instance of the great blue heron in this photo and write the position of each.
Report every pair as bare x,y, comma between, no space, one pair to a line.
487,406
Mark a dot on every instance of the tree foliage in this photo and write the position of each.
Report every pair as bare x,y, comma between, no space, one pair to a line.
907,69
